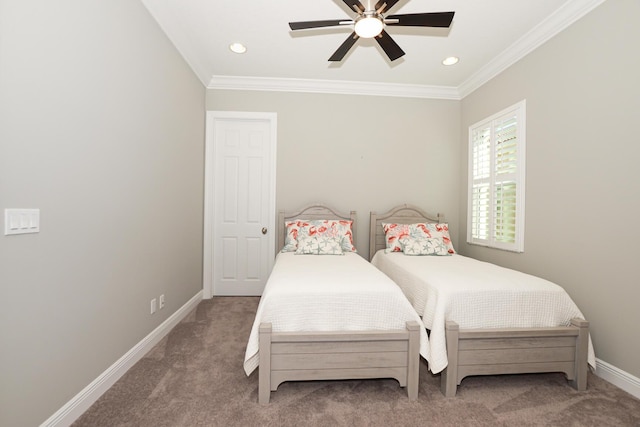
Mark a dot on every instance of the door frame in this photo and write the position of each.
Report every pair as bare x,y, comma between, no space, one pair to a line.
209,189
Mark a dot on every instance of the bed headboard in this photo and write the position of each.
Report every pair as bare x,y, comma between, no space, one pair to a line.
403,214
314,211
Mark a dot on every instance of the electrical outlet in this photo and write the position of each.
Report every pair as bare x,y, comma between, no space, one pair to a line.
161,302
153,306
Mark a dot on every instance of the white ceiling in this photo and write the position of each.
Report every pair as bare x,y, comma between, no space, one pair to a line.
487,36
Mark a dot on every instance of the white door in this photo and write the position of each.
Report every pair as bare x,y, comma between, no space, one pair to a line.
239,246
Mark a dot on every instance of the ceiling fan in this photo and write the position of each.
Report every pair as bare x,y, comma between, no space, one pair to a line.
370,22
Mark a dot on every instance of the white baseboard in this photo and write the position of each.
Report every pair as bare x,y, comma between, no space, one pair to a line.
83,400
72,410
618,377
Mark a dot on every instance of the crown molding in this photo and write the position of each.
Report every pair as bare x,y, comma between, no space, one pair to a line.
342,87
566,15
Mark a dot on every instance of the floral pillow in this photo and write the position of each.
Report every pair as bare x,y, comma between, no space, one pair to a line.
319,228
291,238
424,246
440,230
331,228
319,245
394,233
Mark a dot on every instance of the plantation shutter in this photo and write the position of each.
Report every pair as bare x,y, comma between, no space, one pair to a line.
481,188
496,181
505,188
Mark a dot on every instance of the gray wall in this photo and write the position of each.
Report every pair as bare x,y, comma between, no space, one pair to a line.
102,128
360,153
583,185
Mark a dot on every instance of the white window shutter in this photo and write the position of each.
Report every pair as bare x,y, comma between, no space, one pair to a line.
481,185
496,180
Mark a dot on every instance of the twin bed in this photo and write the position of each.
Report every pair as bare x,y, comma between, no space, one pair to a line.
484,319
325,317
339,317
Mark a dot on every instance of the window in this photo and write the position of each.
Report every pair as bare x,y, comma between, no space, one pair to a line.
496,180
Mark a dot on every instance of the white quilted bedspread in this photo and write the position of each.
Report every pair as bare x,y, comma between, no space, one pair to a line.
475,294
330,293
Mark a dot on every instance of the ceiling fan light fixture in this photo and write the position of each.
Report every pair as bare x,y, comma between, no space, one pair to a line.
368,27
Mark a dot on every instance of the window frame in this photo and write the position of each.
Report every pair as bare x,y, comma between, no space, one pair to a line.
518,111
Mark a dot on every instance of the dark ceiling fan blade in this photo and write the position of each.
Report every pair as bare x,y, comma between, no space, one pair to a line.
354,5
317,24
385,5
344,48
435,19
390,47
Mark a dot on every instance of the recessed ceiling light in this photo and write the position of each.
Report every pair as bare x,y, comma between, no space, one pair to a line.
450,60
237,48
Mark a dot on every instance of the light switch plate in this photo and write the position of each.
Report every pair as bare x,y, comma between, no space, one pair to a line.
21,221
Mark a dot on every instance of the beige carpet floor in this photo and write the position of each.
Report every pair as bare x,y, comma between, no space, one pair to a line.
194,377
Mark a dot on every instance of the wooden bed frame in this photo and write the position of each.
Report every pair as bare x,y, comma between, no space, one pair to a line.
339,355
497,351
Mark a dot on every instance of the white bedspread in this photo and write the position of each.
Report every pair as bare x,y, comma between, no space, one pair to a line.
475,294
330,293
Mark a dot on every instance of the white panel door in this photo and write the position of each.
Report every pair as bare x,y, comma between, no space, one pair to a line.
242,182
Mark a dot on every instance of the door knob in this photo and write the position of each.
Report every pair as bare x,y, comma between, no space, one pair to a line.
264,230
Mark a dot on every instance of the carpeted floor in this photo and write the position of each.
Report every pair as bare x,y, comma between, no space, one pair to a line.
194,377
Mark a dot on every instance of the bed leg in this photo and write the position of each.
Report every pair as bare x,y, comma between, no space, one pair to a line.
413,362
449,377
264,370
582,349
